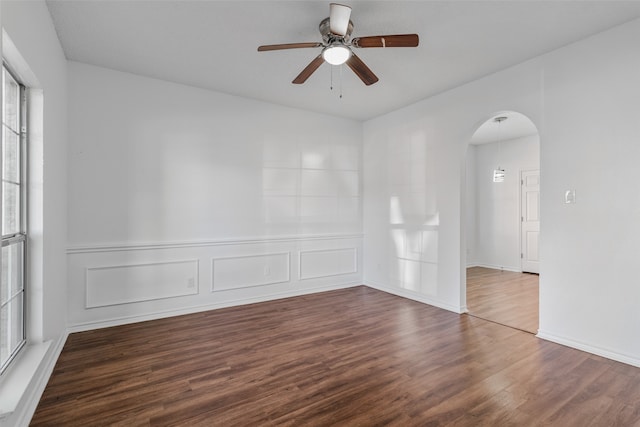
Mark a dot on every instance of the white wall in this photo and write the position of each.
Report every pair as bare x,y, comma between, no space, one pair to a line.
414,171
30,27
34,45
583,99
469,191
497,205
589,294
173,181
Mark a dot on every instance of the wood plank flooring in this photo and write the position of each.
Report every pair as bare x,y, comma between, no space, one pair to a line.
504,297
352,357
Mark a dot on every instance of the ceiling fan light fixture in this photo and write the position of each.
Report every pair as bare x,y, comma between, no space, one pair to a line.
336,54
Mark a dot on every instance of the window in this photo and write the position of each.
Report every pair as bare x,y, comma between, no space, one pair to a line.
14,237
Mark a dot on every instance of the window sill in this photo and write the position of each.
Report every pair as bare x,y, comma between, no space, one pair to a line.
16,379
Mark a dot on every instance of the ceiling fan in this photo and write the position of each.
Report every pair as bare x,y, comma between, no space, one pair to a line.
337,48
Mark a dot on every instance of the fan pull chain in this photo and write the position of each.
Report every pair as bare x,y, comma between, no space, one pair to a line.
341,81
331,84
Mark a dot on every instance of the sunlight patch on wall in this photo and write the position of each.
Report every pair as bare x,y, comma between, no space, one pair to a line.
413,215
311,185
415,264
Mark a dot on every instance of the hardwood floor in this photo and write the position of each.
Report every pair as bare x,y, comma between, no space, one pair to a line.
504,297
349,357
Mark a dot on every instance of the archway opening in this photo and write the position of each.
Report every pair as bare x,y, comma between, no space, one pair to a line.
503,221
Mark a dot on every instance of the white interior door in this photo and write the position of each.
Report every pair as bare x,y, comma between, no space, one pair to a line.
530,221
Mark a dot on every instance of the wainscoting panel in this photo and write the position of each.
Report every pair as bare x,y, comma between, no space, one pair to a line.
113,284
328,262
247,271
122,284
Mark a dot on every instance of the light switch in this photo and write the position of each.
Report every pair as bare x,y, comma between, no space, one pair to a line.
570,196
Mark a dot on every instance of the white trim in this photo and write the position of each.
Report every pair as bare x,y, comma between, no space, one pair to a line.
130,246
266,283
598,351
415,296
86,326
495,267
19,65
355,263
29,401
194,291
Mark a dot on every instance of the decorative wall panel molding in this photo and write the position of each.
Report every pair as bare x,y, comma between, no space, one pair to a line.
327,262
121,284
250,270
108,286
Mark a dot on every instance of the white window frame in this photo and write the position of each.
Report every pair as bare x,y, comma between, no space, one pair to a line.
19,237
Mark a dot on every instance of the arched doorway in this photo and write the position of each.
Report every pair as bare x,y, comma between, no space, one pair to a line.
502,221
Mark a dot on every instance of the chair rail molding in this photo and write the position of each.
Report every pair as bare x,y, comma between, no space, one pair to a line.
138,246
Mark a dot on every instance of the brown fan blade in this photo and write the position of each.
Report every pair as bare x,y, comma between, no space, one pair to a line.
287,46
309,69
361,70
398,40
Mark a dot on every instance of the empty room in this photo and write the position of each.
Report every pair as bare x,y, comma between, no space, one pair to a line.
245,213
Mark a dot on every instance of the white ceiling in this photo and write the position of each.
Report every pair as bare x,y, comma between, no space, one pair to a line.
212,44
515,126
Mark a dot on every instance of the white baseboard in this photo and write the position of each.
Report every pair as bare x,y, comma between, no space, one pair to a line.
599,351
495,267
79,327
29,402
414,296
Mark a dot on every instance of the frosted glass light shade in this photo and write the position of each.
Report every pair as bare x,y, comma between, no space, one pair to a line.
336,55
